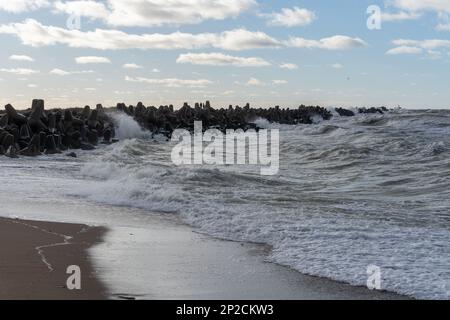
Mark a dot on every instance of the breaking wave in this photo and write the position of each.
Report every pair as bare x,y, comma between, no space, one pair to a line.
351,192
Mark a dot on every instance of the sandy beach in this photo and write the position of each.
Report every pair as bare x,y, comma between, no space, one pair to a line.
179,264
35,256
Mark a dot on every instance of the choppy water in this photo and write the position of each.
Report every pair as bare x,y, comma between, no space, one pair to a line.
351,192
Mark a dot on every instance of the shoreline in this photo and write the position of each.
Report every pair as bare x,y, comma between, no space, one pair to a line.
164,259
35,256
146,255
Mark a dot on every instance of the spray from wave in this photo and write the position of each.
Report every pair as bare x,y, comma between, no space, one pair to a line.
127,127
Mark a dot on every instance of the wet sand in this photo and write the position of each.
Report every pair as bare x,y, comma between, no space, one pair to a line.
167,260
162,259
34,257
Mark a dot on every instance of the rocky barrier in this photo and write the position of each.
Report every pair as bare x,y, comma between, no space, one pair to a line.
165,119
37,131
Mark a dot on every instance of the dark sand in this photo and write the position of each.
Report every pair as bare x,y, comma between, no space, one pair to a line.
34,257
177,264
167,260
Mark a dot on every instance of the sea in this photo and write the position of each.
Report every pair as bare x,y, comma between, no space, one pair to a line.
351,194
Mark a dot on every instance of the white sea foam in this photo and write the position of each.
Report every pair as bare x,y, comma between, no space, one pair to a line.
348,195
127,128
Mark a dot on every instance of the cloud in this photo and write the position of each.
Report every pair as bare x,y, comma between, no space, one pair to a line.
151,13
19,6
434,55
404,50
220,59
131,66
83,8
422,5
338,42
32,85
242,39
60,72
255,82
289,66
443,27
33,33
278,82
429,44
20,71
16,57
295,17
91,60
337,66
399,16
416,8
430,47
172,82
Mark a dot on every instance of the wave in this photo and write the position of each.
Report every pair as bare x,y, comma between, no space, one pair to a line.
127,127
347,196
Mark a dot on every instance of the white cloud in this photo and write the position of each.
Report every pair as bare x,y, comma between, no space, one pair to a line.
278,82
16,57
255,82
91,60
242,39
120,93
422,5
400,16
34,34
172,82
443,27
151,13
20,71
429,44
155,70
338,42
289,66
220,59
32,85
434,55
60,72
18,6
337,66
131,66
432,48
404,50
83,8
294,17
416,8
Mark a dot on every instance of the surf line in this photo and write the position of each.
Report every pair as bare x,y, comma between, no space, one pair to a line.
40,249
235,147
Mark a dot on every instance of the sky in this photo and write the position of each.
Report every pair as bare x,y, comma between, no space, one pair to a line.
314,52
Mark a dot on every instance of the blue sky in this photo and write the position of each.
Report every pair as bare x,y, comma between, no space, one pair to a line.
230,52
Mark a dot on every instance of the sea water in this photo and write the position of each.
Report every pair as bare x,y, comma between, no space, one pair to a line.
351,193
